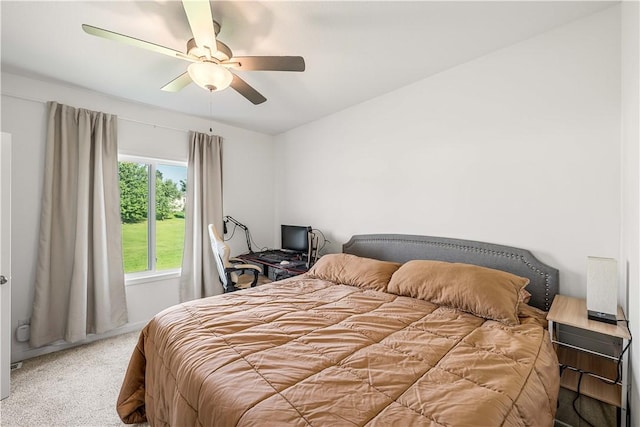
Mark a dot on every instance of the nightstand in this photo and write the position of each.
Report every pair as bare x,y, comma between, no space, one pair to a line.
594,347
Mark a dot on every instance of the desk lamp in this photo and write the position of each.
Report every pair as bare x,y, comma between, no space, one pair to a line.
234,221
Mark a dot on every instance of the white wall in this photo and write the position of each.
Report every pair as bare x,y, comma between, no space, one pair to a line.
630,35
519,147
247,158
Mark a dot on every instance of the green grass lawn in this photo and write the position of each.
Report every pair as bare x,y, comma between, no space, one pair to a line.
169,244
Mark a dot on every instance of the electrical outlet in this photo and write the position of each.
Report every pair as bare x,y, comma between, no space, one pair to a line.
23,332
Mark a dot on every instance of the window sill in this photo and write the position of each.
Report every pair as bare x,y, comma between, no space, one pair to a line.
133,279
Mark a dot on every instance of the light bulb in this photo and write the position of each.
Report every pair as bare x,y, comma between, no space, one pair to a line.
210,75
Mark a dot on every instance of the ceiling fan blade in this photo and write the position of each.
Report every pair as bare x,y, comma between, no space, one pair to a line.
269,63
179,83
247,91
100,32
201,23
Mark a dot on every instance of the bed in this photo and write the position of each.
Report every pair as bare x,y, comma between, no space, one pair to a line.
397,330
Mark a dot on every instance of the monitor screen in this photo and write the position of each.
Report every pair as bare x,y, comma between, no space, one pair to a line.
295,238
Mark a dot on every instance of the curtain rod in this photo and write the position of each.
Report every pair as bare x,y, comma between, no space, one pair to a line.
41,101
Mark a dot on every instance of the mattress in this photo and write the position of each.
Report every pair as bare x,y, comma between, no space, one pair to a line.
310,351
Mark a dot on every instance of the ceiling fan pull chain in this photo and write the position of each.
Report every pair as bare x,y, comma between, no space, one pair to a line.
210,111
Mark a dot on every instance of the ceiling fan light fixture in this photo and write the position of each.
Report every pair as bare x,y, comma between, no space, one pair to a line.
210,76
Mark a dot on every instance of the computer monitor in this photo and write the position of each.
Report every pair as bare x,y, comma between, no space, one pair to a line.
295,238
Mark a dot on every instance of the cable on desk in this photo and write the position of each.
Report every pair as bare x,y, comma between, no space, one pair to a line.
324,239
260,248
233,232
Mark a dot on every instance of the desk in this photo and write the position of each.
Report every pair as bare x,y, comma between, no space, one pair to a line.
272,268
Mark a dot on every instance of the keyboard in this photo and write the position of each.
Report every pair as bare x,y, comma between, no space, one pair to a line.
275,257
272,256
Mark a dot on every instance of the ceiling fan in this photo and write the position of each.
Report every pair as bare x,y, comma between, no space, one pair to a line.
211,60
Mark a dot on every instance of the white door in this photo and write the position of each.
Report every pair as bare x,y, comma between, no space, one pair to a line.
5,264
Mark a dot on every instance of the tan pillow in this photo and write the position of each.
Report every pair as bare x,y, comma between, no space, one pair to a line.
524,296
355,271
484,292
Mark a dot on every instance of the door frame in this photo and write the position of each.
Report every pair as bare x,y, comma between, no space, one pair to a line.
5,264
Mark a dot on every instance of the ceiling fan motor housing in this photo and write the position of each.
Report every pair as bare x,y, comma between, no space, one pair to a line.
222,54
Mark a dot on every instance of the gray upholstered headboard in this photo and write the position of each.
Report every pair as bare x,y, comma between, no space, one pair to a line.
401,248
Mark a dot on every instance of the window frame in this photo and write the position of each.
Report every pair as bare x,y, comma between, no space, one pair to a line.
151,274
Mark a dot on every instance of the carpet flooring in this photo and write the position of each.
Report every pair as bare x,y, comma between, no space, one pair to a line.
74,387
596,414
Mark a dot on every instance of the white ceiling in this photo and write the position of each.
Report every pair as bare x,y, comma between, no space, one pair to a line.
354,50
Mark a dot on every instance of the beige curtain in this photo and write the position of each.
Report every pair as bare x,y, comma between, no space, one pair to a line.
204,206
79,275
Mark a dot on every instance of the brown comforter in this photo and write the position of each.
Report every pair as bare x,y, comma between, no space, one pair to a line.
311,352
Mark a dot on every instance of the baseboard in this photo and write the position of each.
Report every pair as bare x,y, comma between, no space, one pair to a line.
63,345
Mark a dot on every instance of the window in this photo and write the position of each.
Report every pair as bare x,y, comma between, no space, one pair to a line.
152,245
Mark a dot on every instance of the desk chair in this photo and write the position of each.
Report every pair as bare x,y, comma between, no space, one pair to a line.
233,273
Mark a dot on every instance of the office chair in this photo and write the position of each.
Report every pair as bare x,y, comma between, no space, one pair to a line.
233,273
